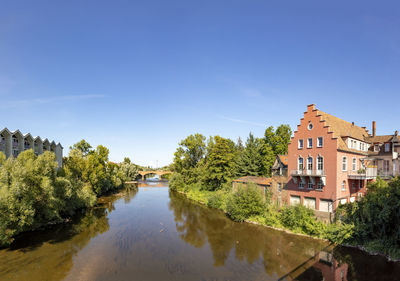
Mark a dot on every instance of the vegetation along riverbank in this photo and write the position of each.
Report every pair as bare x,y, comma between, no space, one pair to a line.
204,170
35,193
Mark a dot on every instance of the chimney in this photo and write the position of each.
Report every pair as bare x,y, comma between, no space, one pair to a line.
396,133
352,123
373,128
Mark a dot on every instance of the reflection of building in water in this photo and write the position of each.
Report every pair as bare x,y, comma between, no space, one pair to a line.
325,268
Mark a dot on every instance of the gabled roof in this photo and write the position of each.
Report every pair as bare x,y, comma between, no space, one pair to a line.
254,179
381,139
5,130
342,128
283,159
28,135
38,138
17,132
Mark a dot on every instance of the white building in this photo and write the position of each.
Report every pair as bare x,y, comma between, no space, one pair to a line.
12,143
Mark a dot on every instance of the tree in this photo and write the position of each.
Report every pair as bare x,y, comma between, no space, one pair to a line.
190,152
82,146
274,143
250,158
220,161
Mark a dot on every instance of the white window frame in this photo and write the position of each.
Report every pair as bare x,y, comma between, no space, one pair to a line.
320,163
310,163
320,142
300,141
344,186
298,163
387,147
301,185
320,185
309,143
344,163
376,147
354,164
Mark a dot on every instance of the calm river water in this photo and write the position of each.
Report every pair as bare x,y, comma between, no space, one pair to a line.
154,234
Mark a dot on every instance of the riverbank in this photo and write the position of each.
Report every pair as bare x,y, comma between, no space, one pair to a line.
203,197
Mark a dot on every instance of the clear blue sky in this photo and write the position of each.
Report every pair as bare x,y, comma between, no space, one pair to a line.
139,76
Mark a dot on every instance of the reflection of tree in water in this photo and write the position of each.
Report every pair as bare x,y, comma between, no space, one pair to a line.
280,252
48,254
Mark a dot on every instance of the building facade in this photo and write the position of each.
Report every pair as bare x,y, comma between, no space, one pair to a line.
14,142
330,160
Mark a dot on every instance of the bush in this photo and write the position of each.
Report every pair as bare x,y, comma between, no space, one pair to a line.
302,220
218,200
245,202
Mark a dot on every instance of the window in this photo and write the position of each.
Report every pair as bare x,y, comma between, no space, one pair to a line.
320,163
310,126
309,143
300,146
387,147
310,185
344,186
309,163
320,141
301,185
376,147
320,185
361,184
386,166
344,163
300,163
354,164
279,187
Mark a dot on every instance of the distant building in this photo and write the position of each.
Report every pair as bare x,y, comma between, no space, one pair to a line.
14,142
275,184
331,160
279,179
262,183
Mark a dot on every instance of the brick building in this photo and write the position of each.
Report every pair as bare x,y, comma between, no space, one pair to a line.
331,160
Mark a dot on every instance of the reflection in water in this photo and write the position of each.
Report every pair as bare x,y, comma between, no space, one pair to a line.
288,257
155,234
48,254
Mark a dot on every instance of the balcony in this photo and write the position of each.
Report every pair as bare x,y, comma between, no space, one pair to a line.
308,173
363,174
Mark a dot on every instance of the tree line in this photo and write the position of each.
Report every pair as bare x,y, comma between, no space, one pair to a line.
215,162
35,192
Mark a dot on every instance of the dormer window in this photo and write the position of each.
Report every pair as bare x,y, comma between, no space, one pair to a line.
376,147
387,147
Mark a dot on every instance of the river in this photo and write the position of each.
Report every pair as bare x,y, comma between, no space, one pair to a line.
155,234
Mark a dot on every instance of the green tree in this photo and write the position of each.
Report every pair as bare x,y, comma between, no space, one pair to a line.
274,143
82,146
190,153
250,158
220,162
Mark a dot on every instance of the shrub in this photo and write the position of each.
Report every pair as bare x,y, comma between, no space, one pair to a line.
218,200
301,219
245,202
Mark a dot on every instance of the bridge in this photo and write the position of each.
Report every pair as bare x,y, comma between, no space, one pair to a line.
143,174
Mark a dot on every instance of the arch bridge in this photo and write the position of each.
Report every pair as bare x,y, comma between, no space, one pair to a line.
143,174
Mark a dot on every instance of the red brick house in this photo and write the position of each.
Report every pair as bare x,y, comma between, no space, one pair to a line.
327,161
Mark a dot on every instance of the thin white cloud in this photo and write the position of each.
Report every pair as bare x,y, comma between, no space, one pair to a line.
47,100
241,121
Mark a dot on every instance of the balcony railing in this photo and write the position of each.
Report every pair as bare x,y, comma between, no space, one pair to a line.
308,173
